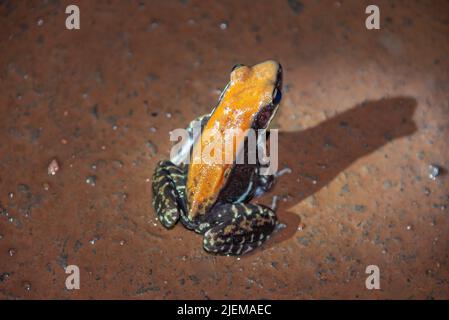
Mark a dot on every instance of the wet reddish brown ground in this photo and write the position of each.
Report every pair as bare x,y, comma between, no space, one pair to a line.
363,115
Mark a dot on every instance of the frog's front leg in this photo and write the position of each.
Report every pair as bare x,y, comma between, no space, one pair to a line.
238,228
263,183
169,192
183,155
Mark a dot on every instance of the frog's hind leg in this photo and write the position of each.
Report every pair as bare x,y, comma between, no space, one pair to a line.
239,228
168,192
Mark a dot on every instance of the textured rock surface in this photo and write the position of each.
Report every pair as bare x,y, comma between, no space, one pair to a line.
364,114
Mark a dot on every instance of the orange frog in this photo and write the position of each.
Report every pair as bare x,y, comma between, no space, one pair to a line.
212,198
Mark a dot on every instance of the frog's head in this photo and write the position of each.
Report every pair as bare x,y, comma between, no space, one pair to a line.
261,88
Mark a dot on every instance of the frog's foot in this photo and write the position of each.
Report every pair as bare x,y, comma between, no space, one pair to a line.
263,184
168,191
239,228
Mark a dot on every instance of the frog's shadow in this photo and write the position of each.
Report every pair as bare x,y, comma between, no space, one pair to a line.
317,155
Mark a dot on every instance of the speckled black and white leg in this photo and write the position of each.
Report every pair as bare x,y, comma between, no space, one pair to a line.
168,192
239,228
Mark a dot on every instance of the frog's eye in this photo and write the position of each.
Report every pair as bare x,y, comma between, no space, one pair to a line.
277,96
238,65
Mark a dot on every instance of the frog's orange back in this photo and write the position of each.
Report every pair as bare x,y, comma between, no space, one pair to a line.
250,89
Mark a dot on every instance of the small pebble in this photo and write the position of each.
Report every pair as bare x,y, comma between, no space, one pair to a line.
40,22
10,195
409,227
387,184
434,171
27,286
94,240
224,25
122,242
117,163
11,252
91,180
4,276
46,186
53,167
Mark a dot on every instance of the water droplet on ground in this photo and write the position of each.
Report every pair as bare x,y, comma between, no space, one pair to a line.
53,167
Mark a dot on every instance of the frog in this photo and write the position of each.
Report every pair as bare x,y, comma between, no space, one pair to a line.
215,200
